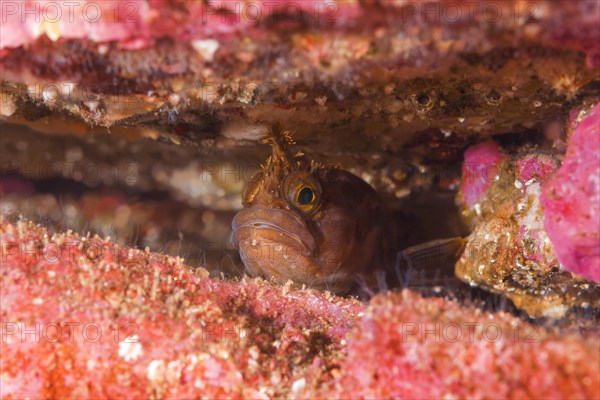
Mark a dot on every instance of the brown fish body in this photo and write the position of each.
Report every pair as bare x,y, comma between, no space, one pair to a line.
312,224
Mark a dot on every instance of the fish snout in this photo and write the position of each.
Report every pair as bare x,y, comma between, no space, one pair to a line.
276,225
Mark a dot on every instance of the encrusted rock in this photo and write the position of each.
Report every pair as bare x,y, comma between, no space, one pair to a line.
371,76
83,317
529,238
409,347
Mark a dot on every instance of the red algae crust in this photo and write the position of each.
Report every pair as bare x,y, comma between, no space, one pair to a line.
571,201
407,346
82,317
138,23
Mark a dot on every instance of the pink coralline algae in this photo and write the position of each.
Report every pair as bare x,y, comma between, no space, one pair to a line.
137,23
85,318
480,170
534,168
103,21
571,201
410,347
82,317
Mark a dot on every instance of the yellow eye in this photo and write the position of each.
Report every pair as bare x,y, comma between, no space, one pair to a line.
302,191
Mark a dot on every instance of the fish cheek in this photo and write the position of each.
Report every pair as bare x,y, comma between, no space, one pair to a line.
347,249
337,240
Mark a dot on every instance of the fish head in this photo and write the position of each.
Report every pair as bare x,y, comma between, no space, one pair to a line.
315,225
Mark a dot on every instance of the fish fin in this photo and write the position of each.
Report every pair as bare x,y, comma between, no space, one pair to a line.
430,263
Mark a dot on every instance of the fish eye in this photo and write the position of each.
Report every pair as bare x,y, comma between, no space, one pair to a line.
423,99
302,191
305,196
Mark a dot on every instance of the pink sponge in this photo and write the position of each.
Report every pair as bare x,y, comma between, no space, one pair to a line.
571,201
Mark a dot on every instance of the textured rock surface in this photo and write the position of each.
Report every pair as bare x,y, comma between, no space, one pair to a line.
385,78
532,221
166,330
83,317
409,347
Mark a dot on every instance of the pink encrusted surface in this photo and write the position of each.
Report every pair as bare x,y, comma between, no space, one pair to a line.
193,335
480,170
171,332
531,171
535,167
138,23
410,347
571,201
100,21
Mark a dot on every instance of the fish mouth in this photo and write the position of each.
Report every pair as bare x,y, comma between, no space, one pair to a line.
291,229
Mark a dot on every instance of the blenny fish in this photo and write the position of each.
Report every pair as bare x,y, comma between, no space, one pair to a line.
314,224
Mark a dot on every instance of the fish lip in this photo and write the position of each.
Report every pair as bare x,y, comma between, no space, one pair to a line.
280,220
